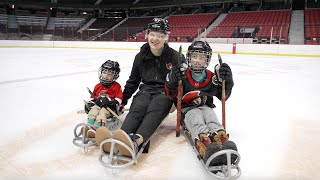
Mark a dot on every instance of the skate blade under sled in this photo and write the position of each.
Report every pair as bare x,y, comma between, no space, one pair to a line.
80,133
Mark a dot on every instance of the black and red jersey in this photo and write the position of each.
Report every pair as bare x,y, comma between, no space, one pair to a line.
209,86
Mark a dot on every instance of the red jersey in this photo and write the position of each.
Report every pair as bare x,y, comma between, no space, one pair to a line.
114,91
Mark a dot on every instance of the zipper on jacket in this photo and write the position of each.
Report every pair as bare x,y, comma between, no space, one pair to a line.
157,65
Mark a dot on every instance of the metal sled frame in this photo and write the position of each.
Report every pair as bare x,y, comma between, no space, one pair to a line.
81,141
223,172
114,156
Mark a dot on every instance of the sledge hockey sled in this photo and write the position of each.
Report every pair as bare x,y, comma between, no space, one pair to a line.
80,131
223,171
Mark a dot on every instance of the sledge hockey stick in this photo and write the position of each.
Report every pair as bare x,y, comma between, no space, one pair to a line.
179,98
223,98
110,110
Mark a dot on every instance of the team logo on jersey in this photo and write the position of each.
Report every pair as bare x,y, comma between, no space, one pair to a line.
169,66
214,80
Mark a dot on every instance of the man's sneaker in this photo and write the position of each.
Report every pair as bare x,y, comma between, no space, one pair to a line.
202,144
102,134
125,138
91,133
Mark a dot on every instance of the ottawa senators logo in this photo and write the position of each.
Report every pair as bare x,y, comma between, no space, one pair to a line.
169,66
214,80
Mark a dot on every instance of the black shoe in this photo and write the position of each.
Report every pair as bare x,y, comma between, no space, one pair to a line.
229,145
212,148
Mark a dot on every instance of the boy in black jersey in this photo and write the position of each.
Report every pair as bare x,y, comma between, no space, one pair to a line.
199,87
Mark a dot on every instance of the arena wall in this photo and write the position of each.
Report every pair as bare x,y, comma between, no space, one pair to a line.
251,49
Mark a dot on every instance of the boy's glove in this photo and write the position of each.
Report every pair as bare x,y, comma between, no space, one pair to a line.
194,98
200,100
179,70
224,72
112,104
102,101
121,108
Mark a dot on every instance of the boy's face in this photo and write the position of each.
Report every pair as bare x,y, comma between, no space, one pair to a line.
198,60
156,40
107,75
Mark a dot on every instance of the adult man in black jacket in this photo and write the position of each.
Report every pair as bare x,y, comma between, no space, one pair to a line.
150,105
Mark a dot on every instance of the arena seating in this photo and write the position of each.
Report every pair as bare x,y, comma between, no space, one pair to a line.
128,28
312,26
189,25
266,21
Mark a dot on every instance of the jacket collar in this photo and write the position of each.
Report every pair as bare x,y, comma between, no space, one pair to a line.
146,52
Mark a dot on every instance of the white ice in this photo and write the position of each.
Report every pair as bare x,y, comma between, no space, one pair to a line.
273,116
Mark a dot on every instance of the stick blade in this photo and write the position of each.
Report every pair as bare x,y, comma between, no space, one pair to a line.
220,59
180,53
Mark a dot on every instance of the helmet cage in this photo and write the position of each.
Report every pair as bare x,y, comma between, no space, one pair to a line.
198,69
107,71
109,67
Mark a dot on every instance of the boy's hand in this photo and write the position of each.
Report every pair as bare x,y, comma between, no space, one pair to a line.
179,70
122,107
101,101
225,72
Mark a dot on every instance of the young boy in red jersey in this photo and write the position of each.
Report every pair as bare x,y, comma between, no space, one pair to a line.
107,93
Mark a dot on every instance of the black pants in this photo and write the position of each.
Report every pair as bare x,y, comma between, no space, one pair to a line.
146,113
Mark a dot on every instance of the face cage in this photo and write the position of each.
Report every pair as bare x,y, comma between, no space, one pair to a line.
106,82
198,69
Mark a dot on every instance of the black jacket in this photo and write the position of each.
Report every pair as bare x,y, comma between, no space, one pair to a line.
150,70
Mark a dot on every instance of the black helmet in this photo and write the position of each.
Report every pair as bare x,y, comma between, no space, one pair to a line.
109,66
160,25
199,47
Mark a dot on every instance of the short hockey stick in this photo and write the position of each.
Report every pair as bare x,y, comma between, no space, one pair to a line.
223,98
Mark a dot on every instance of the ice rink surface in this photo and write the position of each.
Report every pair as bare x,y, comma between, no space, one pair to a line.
273,116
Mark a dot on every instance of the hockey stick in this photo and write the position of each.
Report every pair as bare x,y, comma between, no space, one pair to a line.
180,91
223,98
110,110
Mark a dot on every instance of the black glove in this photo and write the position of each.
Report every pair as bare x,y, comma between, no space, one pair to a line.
88,106
179,71
112,104
102,101
200,100
225,72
